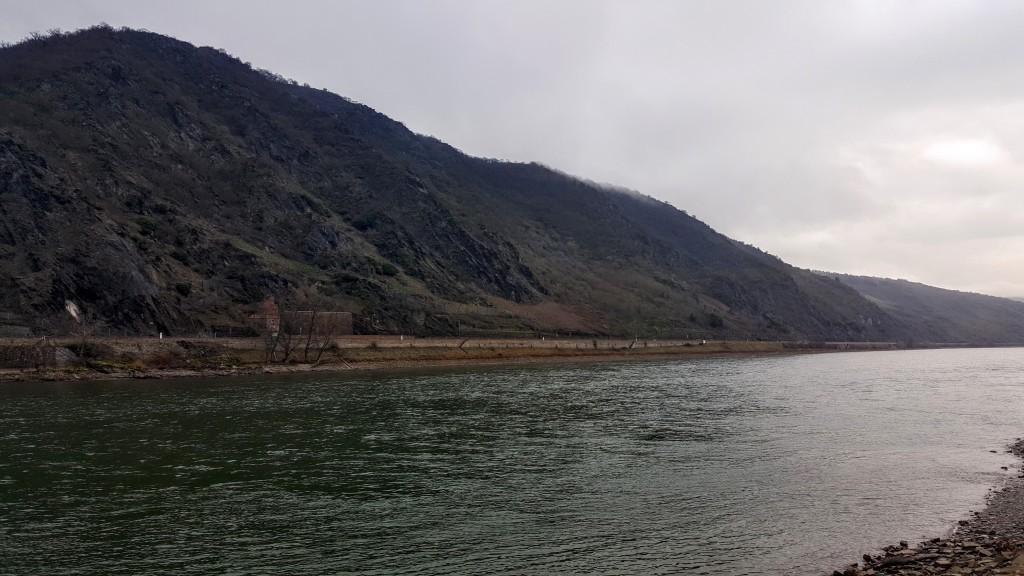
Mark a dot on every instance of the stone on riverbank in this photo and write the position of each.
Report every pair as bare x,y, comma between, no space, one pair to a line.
959,556
991,543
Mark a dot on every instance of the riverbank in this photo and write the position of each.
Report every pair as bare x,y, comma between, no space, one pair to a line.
990,542
119,358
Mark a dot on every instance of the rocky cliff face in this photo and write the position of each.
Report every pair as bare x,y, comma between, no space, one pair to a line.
164,187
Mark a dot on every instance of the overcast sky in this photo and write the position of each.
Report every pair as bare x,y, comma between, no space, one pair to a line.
876,137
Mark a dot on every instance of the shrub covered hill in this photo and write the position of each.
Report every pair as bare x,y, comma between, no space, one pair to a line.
154,186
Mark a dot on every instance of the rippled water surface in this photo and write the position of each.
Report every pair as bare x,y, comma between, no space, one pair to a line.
765,465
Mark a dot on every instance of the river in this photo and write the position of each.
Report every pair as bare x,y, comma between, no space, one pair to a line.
719,466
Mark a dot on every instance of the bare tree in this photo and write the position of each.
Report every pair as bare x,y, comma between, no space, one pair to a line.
308,327
311,329
324,331
270,346
287,335
84,325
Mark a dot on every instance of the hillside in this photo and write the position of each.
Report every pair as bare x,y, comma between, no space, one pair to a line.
156,186
944,316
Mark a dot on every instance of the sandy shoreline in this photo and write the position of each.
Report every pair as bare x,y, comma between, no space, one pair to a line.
990,542
139,359
87,374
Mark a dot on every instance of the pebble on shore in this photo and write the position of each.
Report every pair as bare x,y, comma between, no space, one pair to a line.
991,543
958,555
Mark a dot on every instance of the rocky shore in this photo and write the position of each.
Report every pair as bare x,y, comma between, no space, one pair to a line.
991,542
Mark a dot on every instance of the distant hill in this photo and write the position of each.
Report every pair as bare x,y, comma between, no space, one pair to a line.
155,186
944,316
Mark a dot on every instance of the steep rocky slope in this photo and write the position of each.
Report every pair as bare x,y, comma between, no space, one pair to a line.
156,186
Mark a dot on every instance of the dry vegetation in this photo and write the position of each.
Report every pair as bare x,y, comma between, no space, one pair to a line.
25,359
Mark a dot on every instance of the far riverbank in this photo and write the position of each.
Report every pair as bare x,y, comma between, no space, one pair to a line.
118,358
